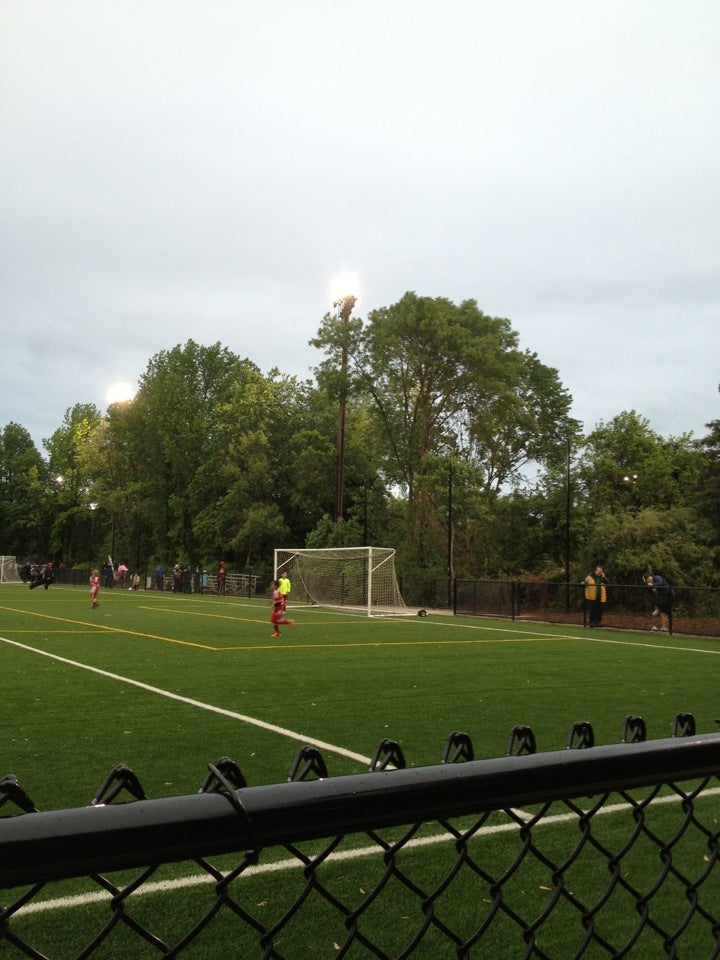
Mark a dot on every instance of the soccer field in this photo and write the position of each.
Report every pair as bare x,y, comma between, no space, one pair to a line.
169,683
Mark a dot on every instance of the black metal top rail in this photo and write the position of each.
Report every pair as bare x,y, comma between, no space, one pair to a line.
38,847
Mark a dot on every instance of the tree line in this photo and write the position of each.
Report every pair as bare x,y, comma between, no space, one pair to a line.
459,451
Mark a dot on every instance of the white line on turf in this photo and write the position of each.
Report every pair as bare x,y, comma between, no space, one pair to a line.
572,636
210,708
164,886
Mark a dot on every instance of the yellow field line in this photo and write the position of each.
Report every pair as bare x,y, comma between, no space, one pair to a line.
269,646
106,629
200,613
385,644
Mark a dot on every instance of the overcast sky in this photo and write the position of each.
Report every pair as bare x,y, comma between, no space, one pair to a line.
175,169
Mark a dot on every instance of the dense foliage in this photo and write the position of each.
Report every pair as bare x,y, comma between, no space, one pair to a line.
459,451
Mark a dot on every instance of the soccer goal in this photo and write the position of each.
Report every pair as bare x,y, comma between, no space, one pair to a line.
8,570
361,579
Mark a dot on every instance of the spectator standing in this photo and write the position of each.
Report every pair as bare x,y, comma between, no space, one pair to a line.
221,578
160,576
595,594
662,596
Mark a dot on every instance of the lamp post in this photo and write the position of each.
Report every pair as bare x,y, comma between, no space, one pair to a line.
567,527
344,305
93,508
450,532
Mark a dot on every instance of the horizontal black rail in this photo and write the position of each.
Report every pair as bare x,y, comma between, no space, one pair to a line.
39,847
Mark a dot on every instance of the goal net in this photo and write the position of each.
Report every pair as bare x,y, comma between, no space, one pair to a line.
352,578
8,570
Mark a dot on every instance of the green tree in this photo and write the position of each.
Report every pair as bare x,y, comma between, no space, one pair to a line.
75,524
706,495
24,502
175,443
446,380
636,509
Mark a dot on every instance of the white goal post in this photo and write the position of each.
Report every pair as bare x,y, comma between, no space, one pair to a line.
361,579
8,570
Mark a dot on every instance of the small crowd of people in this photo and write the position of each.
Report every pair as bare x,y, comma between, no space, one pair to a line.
119,576
595,584
184,579
37,574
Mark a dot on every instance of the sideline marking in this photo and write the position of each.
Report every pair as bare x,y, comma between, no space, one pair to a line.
281,866
210,708
656,646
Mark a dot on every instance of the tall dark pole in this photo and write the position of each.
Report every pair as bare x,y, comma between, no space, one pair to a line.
567,529
450,532
93,508
345,308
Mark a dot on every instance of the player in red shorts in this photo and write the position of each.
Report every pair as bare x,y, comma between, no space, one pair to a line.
278,611
94,587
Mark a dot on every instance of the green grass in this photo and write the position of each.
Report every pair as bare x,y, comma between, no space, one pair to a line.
347,682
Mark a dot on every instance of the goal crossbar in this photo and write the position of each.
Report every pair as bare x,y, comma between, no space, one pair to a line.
360,579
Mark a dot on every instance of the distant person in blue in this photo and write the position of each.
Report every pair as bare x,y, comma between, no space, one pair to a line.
159,576
662,596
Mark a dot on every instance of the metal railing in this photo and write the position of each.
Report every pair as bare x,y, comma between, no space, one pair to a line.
587,851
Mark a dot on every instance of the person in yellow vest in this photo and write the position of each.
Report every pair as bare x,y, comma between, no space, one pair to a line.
595,594
284,587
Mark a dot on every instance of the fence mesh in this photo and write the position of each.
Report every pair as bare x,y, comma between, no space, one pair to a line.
586,852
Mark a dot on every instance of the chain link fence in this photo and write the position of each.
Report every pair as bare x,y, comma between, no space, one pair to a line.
694,611
590,851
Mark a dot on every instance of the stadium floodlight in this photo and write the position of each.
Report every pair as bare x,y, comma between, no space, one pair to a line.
119,393
357,579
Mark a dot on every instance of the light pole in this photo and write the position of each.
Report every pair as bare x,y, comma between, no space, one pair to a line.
568,499
450,531
93,508
344,305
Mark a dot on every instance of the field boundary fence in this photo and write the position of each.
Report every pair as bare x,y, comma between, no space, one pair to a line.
589,850
694,610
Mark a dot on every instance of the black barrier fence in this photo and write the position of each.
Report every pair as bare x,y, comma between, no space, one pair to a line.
693,611
591,851
201,582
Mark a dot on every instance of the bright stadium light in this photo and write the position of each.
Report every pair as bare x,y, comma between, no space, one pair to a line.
344,285
119,393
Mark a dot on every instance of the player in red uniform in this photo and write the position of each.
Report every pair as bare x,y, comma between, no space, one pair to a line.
278,610
94,587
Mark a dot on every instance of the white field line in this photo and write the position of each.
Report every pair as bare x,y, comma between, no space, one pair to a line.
198,704
281,866
537,635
